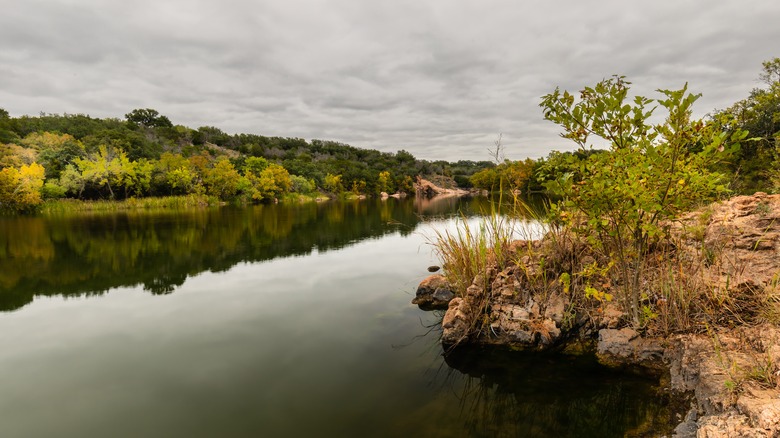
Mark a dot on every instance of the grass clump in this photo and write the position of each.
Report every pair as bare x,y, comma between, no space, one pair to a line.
473,249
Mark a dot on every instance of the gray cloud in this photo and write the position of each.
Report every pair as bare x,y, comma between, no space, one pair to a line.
438,78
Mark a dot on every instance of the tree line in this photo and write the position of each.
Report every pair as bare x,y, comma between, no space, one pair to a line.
52,156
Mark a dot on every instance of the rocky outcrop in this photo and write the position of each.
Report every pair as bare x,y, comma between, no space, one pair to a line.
426,189
740,239
514,317
625,347
732,372
734,378
434,292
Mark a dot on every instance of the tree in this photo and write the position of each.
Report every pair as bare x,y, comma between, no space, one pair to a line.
333,183
13,155
758,162
509,175
7,135
271,183
222,180
148,118
55,151
385,182
174,174
255,165
485,179
771,73
650,174
20,189
301,184
100,170
72,181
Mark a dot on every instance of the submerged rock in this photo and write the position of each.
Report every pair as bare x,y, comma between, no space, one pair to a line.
434,292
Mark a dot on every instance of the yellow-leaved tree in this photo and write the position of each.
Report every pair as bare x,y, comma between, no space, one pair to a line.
20,189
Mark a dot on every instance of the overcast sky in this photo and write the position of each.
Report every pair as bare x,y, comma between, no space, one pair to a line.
440,79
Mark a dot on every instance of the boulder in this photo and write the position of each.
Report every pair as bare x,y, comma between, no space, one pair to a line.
434,292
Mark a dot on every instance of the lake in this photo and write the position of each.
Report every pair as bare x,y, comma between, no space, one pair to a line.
269,321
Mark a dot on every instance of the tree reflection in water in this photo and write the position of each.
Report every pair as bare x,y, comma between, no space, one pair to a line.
82,254
529,394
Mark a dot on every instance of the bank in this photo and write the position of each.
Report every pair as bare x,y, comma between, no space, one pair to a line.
710,325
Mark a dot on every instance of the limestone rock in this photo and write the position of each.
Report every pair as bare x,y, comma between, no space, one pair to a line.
556,308
731,426
434,292
426,189
611,316
455,324
626,347
688,428
763,409
697,365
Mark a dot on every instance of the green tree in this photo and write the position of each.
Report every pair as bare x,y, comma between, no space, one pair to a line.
255,165
109,169
72,181
148,118
485,179
7,134
650,174
757,165
173,174
302,185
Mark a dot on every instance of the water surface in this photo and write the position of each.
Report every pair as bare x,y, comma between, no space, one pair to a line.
272,321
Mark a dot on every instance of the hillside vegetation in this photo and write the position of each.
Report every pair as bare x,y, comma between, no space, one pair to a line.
53,156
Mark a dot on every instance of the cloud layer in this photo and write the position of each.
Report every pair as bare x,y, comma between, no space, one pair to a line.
440,79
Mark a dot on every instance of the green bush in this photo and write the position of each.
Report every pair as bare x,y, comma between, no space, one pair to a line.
620,200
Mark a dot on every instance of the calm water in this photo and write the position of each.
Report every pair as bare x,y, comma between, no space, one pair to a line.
271,321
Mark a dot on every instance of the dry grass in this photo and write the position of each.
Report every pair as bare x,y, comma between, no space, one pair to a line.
473,249
698,276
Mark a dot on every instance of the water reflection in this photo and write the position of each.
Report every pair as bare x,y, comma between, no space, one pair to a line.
303,344
90,254
510,394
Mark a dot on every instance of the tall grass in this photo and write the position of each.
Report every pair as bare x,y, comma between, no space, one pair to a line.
472,248
65,206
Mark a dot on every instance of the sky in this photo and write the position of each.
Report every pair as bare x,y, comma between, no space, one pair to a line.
440,79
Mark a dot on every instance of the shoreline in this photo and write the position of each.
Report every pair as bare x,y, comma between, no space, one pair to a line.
726,356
